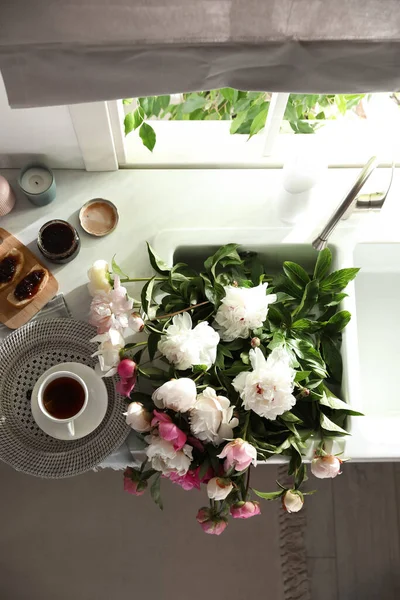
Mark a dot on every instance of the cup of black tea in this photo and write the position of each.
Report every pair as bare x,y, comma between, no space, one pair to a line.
62,398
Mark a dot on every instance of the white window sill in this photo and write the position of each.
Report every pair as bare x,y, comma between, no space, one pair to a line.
209,145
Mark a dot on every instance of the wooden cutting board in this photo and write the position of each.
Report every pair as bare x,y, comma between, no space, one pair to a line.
12,316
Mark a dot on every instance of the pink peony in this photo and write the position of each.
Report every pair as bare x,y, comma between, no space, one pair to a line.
238,454
126,386
211,524
187,482
168,430
131,483
245,510
110,309
126,368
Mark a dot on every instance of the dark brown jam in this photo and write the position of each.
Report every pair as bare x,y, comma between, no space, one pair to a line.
57,238
29,285
58,241
8,266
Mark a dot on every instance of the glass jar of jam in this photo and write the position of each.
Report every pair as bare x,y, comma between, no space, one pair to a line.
58,241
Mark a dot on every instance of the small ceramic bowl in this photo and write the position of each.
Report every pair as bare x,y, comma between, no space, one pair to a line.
98,217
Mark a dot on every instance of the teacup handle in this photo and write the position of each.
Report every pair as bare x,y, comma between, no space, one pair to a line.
71,429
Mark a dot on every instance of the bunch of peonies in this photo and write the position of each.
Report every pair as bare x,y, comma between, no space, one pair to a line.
190,433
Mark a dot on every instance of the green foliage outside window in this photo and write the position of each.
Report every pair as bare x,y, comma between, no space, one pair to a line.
247,111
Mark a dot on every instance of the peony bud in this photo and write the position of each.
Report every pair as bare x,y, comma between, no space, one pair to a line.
218,488
126,368
136,322
324,467
255,342
292,501
138,417
177,394
132,483
99,279
238,454
245,510
211,524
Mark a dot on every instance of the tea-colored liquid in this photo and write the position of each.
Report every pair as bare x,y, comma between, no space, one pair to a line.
63,398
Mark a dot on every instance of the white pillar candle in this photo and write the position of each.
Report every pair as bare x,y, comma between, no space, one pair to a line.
36,180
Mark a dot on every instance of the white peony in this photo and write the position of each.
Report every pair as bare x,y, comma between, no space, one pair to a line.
177,394
138,417
325,467
219,488
110,345
99,279
211,419
292,501
164,458
135,322
242,310
267,389
185,347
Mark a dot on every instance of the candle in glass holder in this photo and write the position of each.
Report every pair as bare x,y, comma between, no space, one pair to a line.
38,184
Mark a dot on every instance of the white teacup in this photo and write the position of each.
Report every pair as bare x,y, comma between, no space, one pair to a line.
63,401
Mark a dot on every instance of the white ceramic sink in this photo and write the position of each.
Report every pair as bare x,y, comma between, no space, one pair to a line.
377,343
274,246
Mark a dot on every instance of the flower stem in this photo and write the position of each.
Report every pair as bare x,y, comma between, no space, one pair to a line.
246,426
178,312
247,482
133,279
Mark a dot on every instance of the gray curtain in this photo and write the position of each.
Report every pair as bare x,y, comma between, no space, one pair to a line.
68,51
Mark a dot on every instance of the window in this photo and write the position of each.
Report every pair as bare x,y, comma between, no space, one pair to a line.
232,128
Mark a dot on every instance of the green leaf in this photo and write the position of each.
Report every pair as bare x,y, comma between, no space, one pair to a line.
268,495
296,273
308,300
164,101
307,325
152,344
116,269
289,417
301,375
309,355
278,340
328,399
238,122
336,299
155,490
199,368
129,123
153,373
300,476
338,322
156,262
227,255
258,122
147,105
329,425
147,294
148,136
229,94
332,357
193,103
236,368
284,284
338,280
323,263
127,101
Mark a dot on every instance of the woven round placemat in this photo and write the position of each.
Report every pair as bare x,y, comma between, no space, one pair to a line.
24,356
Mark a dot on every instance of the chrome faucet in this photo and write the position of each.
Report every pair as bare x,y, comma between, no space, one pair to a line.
352,201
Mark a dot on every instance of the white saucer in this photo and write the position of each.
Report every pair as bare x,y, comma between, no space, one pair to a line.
91,417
